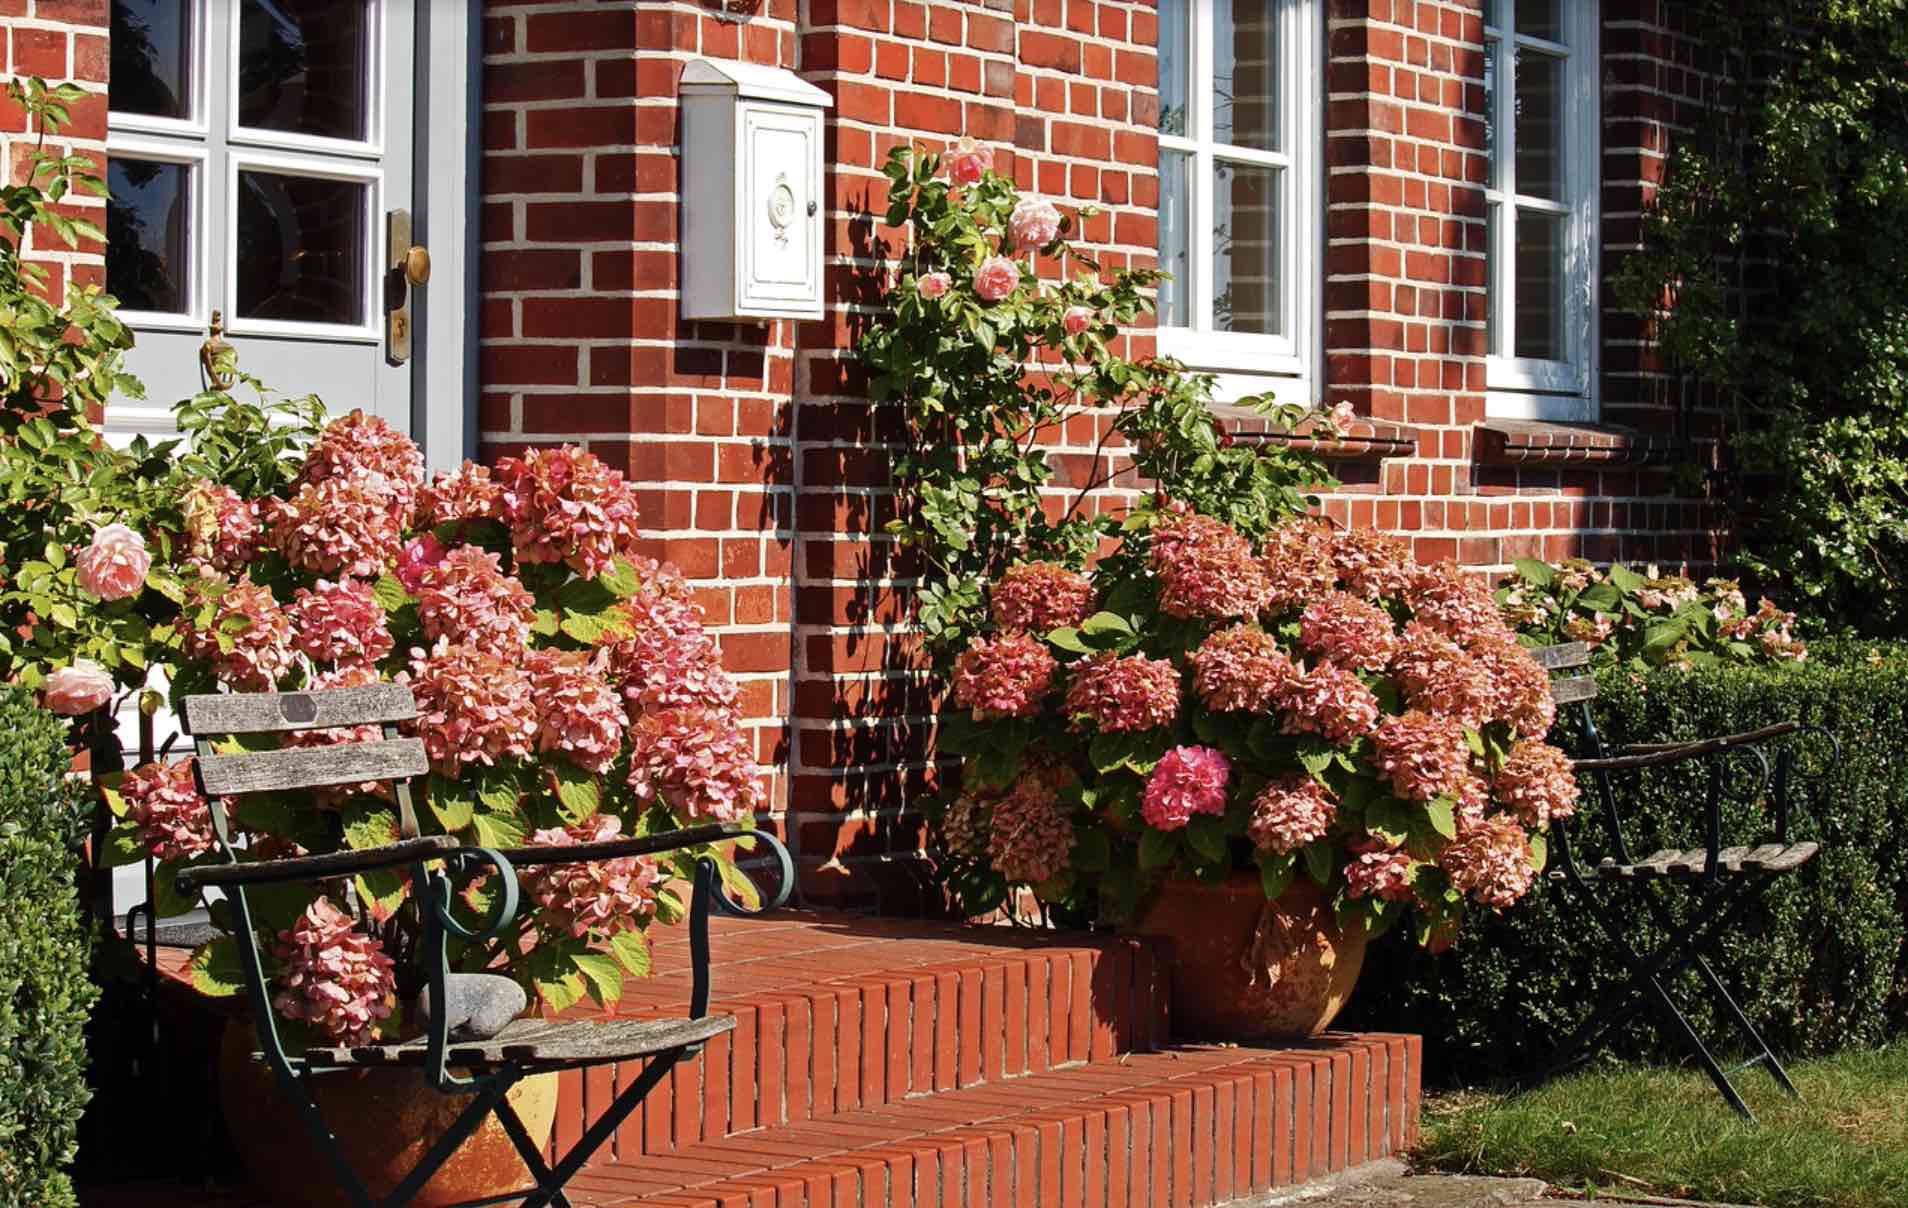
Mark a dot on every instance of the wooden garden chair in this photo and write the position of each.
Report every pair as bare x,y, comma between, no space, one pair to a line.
489,1064
1725,878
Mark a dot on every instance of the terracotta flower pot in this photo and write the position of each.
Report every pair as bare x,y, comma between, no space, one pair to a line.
1248,969
384,1119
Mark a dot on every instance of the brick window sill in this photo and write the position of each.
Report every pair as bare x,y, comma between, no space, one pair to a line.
1367,440
1509,442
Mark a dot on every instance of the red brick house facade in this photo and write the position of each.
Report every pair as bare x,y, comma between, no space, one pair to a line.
1410,205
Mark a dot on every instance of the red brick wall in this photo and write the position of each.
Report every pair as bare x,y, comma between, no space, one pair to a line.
762,463
59,41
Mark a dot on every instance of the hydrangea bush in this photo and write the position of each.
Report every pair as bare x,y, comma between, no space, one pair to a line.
1646,620
1314,703
566,692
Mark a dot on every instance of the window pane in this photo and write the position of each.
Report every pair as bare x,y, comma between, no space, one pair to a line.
1245,78
1490,109
151,58
1493,333
301,248
1174,230
1245,269
1175,63
302,67
148,232
1539,102
1540,19
1540,286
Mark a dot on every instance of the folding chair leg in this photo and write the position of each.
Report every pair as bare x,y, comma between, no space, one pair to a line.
1768,1057
1673,1014
532,1156
606,1124
481,1105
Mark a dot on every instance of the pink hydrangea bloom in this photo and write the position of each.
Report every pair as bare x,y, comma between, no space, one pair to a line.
1188,781
467,598
1349,631
114,566
163,801
1131,693
358,443
1473,799
1772,629
1522,686
1039,597
1371,564
1076,320
697,760
1455,604
1537,783
472,706
1332,701
967,161
80,688
252,656
578,713
1436,674
1381,873
221,529
1008,675
1206,569
933,285
996,278
1030,835
469,493
666,660
340,623
1423,755
346,525
1034,223
565,505
597,899
1490,863
333,976
1298,563
1241,668
418,555
1290,812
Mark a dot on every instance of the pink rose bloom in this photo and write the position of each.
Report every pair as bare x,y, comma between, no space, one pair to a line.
1033,224
998,277
1188,781
1077,320
1340,417
967,161
78,689
114,566
418,556
933,285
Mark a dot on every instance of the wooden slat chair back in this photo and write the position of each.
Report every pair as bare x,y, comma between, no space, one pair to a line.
459,1052
1726,877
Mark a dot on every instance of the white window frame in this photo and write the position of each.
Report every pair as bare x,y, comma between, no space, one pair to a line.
192,156
192,126
371,146
244,159
1523,387
1280,365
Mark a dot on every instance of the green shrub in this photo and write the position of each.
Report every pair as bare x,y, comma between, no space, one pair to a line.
1820,966
44,939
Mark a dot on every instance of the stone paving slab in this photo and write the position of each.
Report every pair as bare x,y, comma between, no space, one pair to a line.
1386,1184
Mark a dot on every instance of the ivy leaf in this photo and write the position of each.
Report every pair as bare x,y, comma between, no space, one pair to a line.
215,969
1157,848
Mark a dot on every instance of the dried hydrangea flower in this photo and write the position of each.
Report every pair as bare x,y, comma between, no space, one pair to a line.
248,640
1371,564
1380,872
565,505
1455,604
698,761
1522,685
1206,569
221,529
1349,631
964,831
1490,862
452,497
1290,812
348,525
163,801
1297,557
1008,675
579,715
472,706
358,443
1423,755
1437,675
1331,701
1030,835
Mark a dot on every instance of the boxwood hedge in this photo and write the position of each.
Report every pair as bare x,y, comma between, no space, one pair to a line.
1821,966
45,993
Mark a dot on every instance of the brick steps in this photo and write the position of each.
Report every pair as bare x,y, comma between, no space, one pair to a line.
1186,1127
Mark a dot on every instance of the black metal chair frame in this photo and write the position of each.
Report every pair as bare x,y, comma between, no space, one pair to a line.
435,860
1727,880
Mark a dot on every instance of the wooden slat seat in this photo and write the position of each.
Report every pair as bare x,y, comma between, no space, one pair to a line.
539,1044
1732,861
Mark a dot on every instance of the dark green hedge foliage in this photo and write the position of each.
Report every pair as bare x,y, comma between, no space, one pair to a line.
44,990
1820,967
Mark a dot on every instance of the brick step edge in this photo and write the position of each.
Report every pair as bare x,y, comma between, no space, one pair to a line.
1185,1128
813,1051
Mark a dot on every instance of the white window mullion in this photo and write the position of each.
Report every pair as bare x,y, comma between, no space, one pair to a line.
1199,169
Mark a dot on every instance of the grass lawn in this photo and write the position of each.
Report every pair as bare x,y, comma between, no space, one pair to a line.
1668,1133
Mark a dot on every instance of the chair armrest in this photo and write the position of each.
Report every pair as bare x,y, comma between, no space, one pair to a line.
649,845
1651,755
318,868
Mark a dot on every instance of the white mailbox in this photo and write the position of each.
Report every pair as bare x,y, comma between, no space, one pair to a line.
751,192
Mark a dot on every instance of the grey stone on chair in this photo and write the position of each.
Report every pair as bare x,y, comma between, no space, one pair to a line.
481,1004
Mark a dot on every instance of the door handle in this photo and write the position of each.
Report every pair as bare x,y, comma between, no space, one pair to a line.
407,266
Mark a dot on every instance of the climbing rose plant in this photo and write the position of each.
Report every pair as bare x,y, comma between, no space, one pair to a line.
1646,620
1315,704
567,692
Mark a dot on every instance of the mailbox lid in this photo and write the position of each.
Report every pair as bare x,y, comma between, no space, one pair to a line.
750,82
780,209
